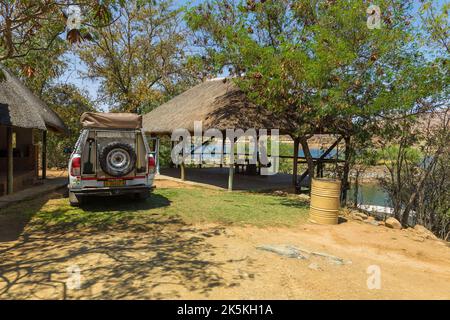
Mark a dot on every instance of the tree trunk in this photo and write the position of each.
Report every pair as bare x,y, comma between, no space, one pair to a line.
309,158
419,188
345,182
356,186
295,164
44,154
10,161
398,188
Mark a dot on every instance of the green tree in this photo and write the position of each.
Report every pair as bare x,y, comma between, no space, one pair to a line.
140,58
34,26
315,62
414,141
32,36
435,24
69,103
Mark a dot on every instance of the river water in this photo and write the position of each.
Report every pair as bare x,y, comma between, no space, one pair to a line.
371,194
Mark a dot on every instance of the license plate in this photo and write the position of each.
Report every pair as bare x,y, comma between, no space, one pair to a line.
114,183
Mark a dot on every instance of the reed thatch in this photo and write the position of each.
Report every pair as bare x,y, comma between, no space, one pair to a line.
21,108
218,104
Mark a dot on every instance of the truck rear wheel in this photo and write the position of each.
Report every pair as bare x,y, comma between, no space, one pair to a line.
117,159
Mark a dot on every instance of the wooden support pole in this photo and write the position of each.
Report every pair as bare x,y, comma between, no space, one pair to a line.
182,172
345,186
44,154
10,160
319,169
222,156
295,164
171,164
258,165
157,155
230,177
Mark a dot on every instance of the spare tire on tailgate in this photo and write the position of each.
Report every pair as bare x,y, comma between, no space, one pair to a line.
117,159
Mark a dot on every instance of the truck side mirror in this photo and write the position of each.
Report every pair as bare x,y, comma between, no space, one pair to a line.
67,150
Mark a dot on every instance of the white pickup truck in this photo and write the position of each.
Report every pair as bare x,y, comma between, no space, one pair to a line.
111,157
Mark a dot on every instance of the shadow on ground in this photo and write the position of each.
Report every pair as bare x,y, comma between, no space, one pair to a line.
159,257
13,220
100,214
123,203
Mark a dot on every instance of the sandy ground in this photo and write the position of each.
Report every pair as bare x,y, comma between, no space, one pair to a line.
169,259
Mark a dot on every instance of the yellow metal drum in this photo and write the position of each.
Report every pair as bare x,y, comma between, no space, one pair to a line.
325,201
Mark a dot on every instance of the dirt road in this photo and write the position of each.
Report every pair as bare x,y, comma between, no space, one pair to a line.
408,269
169,259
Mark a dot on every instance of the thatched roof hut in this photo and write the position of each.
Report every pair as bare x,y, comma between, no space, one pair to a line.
21,108
219,104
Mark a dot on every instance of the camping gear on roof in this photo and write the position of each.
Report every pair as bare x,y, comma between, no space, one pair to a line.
111,120
325,201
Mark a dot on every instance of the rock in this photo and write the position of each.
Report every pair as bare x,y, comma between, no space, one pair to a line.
424,232
358,218
418,239
347,212
363,216
229,233
331,259
338,261
372,222
207,235
287,251
280,193
315,266
393,223
303,197
301,253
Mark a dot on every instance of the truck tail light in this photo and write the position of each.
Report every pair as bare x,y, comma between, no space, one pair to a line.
75,168
151,164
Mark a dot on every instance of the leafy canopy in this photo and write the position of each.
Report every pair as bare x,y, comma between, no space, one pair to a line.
316,62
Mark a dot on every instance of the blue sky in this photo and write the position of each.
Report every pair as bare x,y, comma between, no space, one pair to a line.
73,76
75,65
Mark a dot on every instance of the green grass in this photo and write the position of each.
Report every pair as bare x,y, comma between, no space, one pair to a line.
204,205
192,205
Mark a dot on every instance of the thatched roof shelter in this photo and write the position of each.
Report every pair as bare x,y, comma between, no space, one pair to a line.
219,104
21,108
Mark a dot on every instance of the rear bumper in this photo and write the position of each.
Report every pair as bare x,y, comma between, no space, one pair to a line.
111,191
